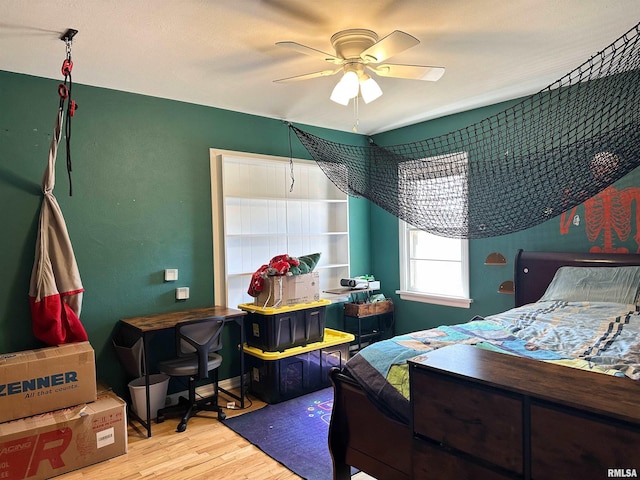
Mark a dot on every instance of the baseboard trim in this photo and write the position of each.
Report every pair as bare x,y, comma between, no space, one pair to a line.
205,390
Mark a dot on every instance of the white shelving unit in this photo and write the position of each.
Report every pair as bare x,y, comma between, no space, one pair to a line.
258,215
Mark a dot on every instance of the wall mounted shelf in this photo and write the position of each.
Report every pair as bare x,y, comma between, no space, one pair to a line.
495,258
506,287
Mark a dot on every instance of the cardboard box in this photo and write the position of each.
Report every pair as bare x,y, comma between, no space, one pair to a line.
38,381
57,442
282,291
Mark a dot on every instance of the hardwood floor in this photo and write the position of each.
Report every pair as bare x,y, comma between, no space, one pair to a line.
206,450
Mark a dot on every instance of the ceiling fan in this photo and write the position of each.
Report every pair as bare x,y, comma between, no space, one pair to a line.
358,52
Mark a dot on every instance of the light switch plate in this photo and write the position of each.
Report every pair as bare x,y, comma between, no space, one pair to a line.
171,275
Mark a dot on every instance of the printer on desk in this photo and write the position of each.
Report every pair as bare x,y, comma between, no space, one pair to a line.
365,282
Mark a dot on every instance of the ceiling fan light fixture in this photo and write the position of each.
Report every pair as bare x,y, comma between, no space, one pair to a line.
369,89
346,89
358,50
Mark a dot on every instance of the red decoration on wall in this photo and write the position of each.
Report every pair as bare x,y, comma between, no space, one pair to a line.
609,214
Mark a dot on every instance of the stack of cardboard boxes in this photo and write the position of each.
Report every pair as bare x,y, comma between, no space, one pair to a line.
55,417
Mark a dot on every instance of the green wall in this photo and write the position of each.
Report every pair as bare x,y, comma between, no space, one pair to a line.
141,203
484,280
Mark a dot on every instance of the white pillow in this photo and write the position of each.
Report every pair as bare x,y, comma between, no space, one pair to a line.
595,284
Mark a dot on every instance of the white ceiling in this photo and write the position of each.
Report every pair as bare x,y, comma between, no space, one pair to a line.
223,53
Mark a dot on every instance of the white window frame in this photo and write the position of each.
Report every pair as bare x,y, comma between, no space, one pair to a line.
438,298
455,181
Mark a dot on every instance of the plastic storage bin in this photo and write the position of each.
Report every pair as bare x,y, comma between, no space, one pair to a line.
277,329
279,376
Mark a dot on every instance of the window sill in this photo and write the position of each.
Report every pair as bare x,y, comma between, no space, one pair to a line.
435,299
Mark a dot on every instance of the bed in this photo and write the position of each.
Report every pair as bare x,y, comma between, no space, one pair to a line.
369,427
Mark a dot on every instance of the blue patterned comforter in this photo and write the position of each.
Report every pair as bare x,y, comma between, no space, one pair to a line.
602,337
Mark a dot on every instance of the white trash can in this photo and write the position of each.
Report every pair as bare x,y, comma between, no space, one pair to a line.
158,384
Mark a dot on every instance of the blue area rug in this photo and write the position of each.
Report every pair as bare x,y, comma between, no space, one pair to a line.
294,433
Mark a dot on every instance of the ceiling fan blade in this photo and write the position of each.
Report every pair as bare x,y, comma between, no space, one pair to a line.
389,46
412,72
307,76
297,47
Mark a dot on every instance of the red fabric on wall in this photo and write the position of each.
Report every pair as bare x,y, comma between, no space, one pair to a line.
55,322
55,291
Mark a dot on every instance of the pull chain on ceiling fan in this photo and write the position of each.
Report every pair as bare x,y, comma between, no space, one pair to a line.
359,53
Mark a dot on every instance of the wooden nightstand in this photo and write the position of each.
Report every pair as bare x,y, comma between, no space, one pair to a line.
368,322
483,414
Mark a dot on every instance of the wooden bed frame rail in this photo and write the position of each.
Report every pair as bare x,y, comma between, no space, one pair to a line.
361,436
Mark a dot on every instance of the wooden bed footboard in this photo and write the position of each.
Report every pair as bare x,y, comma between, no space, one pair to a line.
362,437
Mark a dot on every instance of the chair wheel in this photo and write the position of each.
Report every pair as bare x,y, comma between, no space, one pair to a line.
181,427
160,419
222,415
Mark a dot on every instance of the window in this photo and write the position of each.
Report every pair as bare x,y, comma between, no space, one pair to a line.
435,269
257,215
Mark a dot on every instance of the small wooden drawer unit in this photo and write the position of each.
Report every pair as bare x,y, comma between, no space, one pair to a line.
479,414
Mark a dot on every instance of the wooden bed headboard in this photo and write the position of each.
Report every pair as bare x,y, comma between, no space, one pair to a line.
534,271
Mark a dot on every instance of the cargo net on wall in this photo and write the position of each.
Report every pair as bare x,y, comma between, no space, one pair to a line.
514,170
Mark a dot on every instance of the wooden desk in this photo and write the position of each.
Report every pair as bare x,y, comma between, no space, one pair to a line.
146,325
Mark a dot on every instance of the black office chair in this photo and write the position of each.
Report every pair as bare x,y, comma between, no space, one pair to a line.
196,344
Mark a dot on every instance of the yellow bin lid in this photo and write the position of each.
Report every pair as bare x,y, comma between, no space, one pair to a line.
250,307
331,339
